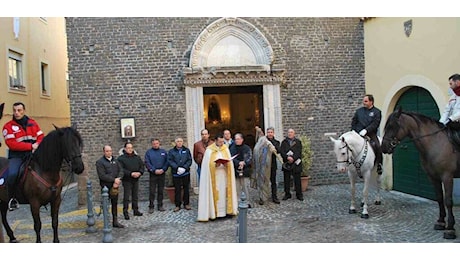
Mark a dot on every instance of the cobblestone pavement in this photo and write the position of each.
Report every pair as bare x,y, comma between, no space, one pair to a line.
321,218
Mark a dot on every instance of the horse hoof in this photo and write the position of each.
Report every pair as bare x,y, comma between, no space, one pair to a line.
440,226
14,241
365,216
378,202
362,204
352,211
449,234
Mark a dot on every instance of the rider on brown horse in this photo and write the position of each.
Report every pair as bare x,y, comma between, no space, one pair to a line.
22,136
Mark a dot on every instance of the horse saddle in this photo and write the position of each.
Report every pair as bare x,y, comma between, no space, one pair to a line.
454,137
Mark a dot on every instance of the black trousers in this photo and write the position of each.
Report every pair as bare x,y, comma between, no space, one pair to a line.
287,183
182,184
273,182
131,191
114,202
156,187
375,143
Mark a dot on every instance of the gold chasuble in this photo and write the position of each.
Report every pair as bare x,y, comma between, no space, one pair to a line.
217,189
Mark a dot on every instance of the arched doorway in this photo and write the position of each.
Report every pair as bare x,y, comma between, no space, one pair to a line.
408,175
232,57
235,108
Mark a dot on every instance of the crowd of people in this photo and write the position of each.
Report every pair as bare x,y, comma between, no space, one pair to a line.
226,169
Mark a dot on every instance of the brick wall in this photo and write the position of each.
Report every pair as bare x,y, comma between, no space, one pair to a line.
135,65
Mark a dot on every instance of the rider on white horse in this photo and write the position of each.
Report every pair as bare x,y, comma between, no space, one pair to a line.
366,121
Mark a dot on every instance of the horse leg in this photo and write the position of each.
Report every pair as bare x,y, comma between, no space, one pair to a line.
379,183
55,217
352,209
9,231
364,213
440,224
450,231
35,210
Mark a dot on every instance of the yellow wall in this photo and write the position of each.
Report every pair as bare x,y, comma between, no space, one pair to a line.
394,61
38,41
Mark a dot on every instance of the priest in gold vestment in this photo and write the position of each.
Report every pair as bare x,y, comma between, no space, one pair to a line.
217,195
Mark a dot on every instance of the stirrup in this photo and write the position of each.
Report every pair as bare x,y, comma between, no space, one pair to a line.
13,204
379,169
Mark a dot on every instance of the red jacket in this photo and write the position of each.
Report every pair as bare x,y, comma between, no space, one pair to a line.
20,140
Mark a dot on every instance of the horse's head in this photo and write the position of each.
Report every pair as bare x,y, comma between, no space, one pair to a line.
342,153
394,133
72,147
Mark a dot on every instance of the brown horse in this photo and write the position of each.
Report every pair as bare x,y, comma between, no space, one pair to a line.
41,182
438,156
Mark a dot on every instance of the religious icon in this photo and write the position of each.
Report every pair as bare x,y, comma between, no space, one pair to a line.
127,128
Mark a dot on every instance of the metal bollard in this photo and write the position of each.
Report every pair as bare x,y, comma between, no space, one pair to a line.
91,221
242,230
107,238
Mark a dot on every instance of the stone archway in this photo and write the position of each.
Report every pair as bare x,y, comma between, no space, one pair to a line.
231,52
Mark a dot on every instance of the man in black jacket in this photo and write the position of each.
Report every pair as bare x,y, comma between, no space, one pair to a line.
274,166
242,164
291,151
366,121
133,168
110,174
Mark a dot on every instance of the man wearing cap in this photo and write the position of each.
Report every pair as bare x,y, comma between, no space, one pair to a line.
451,115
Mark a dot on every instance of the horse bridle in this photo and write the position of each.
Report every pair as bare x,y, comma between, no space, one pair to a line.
395,140
350,160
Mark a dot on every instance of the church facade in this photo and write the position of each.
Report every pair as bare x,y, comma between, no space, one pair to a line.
173,76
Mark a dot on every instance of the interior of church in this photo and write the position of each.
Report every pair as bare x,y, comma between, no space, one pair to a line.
235,109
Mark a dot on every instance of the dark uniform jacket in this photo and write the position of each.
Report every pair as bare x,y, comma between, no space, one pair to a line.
368,119
131,163
107,171
244,154
180,158
296,147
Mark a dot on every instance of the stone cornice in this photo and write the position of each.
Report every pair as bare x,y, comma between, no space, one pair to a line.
233,76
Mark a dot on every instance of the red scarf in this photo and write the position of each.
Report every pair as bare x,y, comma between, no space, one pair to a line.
457,91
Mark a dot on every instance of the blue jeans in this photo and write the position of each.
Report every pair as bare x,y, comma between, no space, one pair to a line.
198,172
13,171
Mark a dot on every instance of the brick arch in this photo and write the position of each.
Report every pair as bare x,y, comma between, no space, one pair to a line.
246,38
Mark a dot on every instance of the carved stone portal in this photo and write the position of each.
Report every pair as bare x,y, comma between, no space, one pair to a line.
231,52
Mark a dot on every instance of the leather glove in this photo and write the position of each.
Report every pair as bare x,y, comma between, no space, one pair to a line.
448,123
363,132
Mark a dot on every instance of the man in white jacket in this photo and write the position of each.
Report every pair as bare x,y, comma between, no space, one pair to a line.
451,115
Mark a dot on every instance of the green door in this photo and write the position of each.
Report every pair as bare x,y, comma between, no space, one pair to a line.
408,176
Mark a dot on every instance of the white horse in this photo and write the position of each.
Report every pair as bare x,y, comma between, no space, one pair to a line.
356,156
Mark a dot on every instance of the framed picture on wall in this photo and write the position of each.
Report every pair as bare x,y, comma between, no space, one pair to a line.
128,128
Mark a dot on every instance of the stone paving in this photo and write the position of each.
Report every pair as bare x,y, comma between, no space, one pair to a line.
321,218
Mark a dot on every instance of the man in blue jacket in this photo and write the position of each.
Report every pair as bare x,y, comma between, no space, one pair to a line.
156,161
180,160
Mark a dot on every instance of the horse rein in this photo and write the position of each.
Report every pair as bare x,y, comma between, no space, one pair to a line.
395,141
